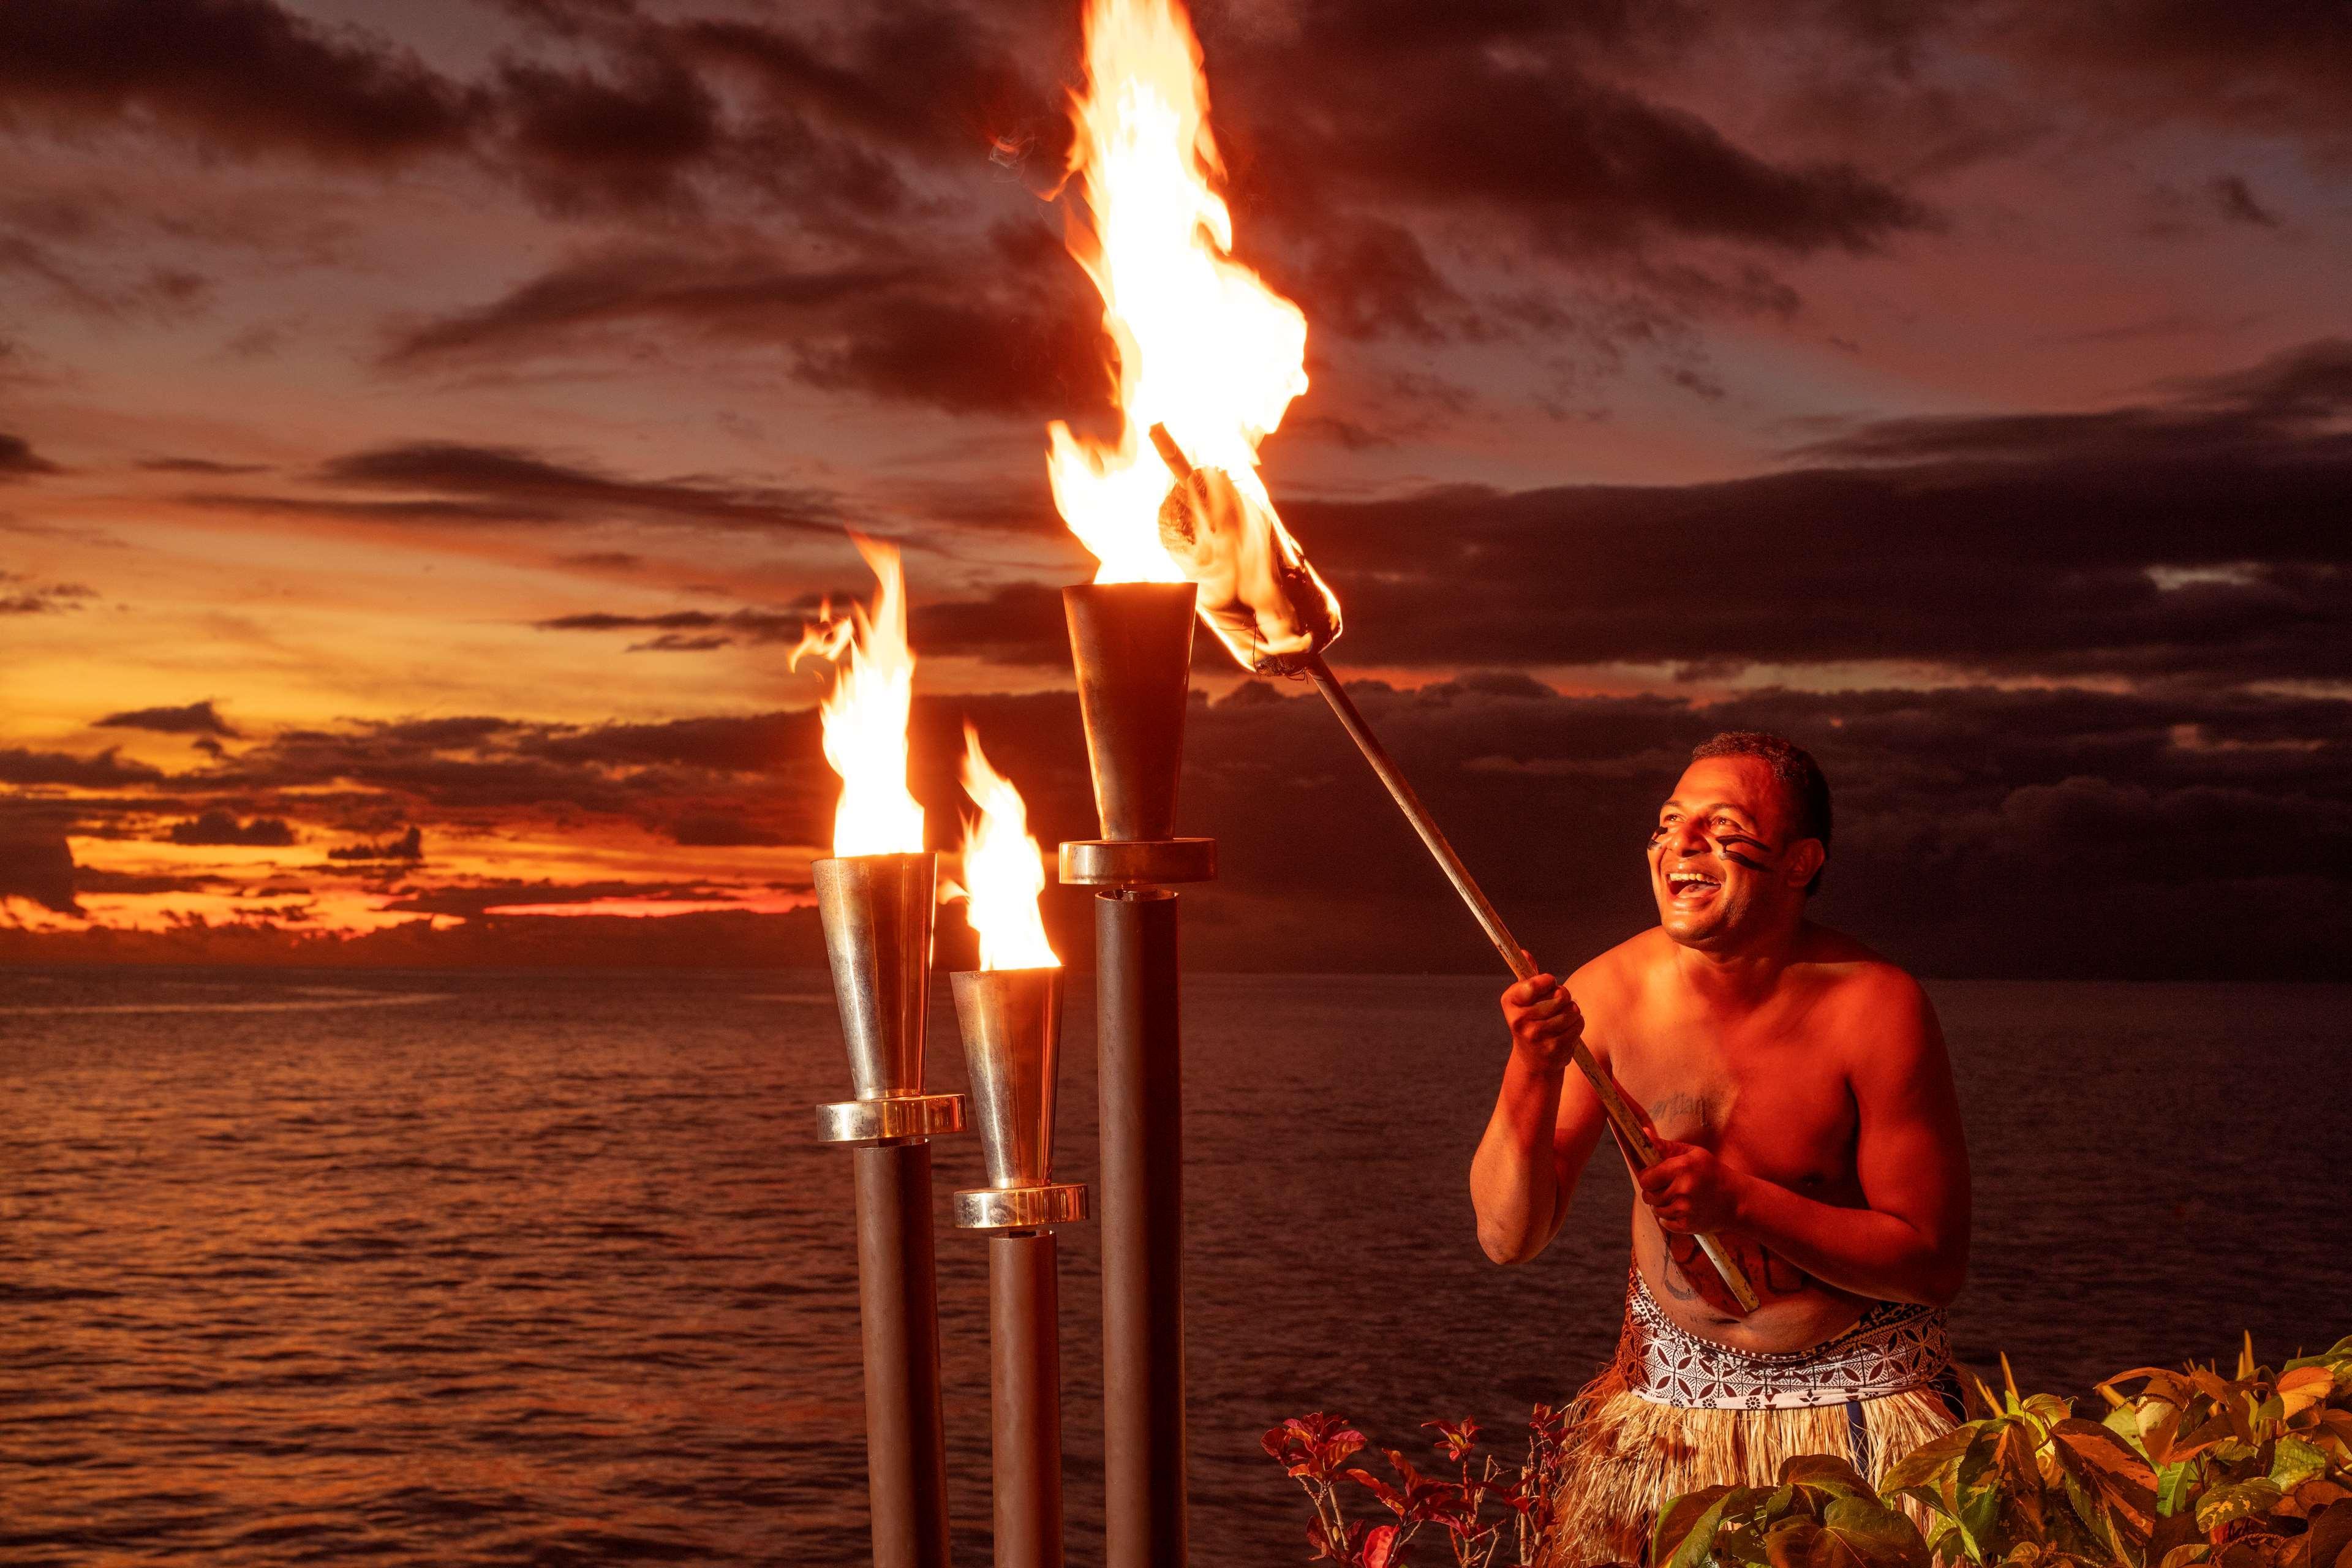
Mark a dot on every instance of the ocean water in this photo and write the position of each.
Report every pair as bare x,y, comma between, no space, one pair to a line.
546,1268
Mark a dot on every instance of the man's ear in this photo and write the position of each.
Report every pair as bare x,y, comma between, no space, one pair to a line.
1803,861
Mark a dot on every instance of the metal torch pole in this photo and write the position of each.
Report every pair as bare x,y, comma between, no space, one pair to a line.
898,1301
1011,1022
1142,1089
1132,646
877,912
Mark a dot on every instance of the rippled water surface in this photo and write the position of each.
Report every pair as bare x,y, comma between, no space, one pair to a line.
476,1268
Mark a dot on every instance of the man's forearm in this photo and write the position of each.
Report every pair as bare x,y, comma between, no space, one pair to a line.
1863,1250
1513,1179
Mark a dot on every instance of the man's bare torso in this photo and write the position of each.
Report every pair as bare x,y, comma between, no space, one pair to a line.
1764,1082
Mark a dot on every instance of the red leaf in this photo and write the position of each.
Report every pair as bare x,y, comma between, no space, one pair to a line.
1454,1437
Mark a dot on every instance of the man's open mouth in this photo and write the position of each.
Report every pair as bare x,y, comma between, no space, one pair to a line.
1690,887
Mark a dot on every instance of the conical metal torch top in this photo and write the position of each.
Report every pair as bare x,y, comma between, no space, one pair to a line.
877,933
1011,1023
1132,642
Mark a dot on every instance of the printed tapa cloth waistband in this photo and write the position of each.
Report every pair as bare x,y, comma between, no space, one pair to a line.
1895,1346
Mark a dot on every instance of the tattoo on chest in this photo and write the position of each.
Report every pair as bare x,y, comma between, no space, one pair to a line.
1680,1114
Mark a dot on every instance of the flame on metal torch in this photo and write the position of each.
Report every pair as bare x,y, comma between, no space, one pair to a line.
865,712
1204,347
1003,870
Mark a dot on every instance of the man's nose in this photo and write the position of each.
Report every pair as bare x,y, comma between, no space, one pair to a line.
1687,839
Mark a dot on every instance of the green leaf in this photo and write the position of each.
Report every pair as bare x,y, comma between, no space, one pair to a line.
2294,1462
1687,1529
1921,1470
2175,1487
1854,1533
1878,1536
1825,1473
2241,1499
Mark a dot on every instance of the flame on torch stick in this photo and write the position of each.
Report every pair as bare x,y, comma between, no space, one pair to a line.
1003,870
1209,358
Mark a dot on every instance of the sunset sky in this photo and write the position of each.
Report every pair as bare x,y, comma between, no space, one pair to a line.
424,428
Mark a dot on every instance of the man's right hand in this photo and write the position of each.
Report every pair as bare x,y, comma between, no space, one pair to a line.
1544,1021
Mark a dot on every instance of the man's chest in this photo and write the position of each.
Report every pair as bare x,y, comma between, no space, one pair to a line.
1772,1100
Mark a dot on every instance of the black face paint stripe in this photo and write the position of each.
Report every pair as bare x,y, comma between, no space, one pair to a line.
1737,859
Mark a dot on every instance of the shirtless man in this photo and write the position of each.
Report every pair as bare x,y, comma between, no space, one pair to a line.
1805,1115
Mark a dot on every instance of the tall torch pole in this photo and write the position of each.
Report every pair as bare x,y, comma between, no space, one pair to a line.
877,911
1132,644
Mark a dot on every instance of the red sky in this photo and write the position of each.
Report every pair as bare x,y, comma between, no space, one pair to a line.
430,418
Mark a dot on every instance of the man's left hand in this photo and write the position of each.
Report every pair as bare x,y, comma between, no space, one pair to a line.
1690,1191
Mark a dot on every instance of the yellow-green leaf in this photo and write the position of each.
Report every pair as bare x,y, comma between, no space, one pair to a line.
2294,1462
2241,1499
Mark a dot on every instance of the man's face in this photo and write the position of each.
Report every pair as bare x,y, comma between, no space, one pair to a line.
1718,857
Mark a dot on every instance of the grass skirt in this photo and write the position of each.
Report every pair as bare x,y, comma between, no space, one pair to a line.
1627,1456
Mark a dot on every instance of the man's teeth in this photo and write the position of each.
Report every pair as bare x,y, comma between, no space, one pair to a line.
1689,879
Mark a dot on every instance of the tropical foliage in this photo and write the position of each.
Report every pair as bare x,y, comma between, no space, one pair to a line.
2252,1470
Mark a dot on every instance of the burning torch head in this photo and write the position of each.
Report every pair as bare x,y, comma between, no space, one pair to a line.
1011,1023
1258,592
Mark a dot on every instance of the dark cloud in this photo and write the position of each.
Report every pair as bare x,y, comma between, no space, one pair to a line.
29,599
105,771
240,75
451,481
1020,623
1516,124
18,460
752,625
223,828
937,81
195,719
623,139
722,831
1010,329
409,847
200,466
36,866
2236,200
2189,537
2276,70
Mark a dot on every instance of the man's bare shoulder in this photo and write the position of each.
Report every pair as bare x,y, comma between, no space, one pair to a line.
1609,987
1866,1000
1621,970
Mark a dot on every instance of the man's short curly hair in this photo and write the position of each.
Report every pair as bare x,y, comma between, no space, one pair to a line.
1793,766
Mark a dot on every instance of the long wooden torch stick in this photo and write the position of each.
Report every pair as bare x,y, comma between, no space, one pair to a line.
1622,1117
1627,1121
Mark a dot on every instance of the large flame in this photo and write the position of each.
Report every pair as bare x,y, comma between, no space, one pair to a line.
1003,870
1204,347
865,712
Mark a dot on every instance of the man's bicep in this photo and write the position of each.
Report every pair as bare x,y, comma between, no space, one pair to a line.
1910,1154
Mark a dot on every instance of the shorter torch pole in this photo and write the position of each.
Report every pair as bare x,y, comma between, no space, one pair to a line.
1626,1121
